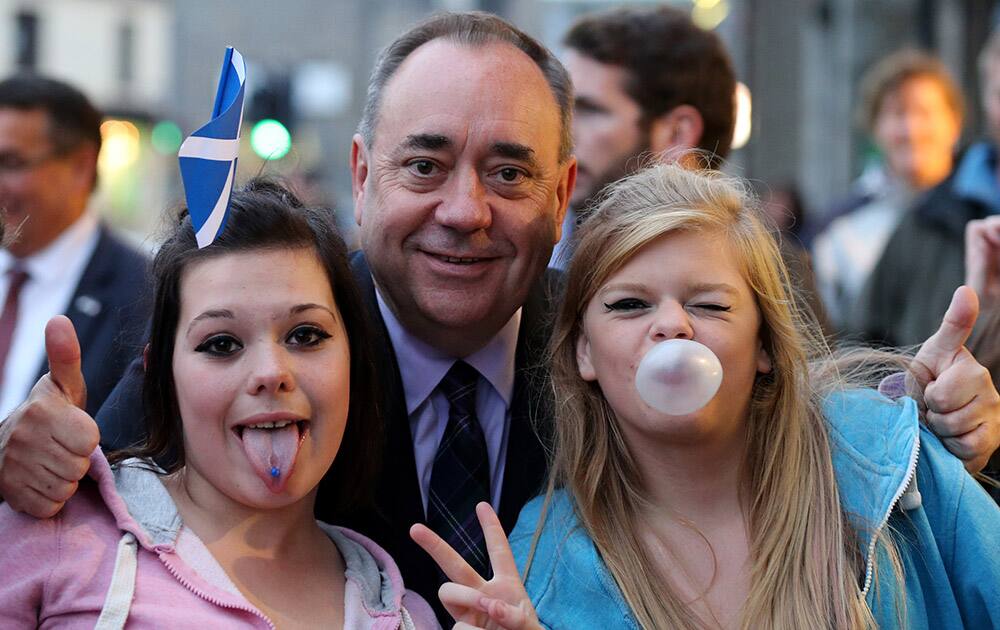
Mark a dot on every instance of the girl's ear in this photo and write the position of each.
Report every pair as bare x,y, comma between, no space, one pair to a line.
584,365
763,359
145,358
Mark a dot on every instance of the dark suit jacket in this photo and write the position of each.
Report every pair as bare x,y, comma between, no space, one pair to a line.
397,496
109,309
397,503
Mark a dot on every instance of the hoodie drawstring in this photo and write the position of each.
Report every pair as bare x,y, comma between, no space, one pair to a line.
911,498
406,621
119,598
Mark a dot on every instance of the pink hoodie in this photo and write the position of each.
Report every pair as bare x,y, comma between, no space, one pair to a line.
58,572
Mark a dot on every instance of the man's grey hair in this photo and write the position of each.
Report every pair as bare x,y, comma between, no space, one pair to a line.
474,29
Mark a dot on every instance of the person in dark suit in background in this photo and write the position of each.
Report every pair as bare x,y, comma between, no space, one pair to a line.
60,258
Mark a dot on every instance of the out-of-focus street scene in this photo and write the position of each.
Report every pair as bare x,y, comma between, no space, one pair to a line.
148,65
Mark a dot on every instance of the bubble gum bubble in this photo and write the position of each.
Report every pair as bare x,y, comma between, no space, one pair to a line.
678,376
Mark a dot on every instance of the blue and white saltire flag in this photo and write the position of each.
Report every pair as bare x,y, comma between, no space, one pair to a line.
208,156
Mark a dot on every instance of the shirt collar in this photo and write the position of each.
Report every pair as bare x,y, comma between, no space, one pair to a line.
976,176
49,263
421,366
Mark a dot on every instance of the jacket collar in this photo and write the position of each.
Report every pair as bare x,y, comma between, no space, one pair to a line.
949,205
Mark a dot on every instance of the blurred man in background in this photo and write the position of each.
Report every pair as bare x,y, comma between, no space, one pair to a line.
651,85
924,260
648,83
59,258
912,108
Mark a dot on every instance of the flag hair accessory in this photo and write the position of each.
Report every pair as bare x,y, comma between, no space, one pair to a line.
208,156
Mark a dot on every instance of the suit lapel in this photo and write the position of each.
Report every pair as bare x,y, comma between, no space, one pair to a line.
87,305
398,495
531,409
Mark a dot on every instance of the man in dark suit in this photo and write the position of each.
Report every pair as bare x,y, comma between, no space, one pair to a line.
461,175
60,258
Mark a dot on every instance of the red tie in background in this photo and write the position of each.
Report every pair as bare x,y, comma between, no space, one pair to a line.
8,319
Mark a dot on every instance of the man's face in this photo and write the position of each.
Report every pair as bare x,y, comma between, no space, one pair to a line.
42,192
991,99
606,125
461,197
917,129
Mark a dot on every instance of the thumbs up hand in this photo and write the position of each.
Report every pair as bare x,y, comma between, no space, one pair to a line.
963,406
45,444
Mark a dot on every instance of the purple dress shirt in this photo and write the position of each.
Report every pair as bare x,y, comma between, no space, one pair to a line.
422,367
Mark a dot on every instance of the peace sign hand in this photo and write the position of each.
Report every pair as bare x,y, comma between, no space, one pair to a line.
498,604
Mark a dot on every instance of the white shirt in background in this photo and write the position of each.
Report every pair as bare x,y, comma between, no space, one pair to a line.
53,275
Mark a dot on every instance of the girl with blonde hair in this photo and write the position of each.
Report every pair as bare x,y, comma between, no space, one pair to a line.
790,500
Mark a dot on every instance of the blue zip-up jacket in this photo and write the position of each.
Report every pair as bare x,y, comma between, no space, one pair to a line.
946,528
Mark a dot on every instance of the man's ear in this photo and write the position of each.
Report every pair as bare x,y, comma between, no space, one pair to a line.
677,131
564,191
84,159
583,362
359,174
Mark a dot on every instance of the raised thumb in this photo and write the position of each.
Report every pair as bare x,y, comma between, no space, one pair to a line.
940,349
63,351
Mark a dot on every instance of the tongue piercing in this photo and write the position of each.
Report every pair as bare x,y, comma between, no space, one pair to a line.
275,472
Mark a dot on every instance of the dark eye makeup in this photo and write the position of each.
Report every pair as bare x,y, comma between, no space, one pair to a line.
626,304
307,335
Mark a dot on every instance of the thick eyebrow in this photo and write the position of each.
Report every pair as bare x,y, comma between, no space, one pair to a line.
515,151
301,308
426,141
224,313
701,287
708,287
622,286
211,314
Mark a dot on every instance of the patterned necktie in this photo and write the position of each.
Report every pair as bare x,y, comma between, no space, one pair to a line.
8,318
460,477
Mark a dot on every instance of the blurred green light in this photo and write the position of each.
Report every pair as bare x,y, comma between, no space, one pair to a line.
166,137
270,139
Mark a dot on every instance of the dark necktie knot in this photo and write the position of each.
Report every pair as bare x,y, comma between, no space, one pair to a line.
18,276
459,384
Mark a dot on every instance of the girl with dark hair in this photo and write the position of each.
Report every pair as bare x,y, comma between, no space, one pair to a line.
258,381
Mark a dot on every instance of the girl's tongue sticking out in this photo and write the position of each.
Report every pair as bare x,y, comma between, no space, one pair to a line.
272,449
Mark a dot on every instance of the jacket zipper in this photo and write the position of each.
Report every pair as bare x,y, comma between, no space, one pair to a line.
911,471
208,597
